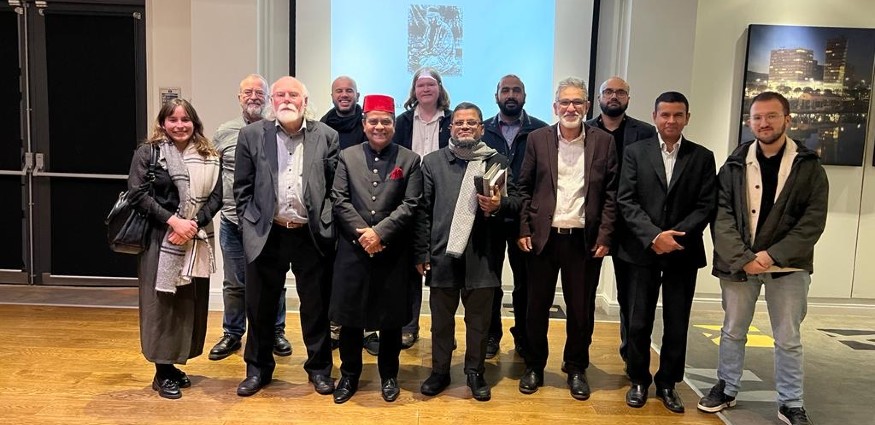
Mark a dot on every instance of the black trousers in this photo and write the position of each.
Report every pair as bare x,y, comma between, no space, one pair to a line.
517,260
265,278
580,278
678,286
351,352
621,271
443,303
414,294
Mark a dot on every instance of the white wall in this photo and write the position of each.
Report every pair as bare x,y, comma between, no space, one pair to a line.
718,63
696,47
205,47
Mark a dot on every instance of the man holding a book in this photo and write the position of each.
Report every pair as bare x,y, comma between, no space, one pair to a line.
459,244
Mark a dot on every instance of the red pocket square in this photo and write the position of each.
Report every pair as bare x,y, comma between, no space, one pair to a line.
397,174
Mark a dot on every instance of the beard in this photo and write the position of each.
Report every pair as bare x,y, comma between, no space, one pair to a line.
613,110
253,111
571,122
464,143
289,115
777,134
511,108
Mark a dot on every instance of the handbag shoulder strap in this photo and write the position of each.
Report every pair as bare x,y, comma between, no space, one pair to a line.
153,163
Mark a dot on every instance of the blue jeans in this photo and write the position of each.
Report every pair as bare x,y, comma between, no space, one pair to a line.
233,286
787,302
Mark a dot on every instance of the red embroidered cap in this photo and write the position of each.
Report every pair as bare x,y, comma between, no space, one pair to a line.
379,102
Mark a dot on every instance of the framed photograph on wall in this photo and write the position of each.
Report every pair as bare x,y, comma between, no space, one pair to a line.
826,74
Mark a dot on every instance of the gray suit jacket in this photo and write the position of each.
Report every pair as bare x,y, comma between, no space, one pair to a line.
255,180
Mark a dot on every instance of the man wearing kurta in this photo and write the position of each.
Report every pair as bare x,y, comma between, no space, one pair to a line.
376,192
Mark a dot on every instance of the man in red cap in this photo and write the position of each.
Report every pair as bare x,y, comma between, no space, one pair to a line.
377,188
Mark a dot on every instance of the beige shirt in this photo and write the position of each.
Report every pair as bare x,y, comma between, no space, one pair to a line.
569,194
754,179
425,133
669,158
290,169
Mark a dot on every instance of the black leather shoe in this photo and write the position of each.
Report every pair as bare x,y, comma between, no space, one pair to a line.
435,384
408,339
531,380
492,347
227,345
390,390
281,345
578,386
250,386
181,378
167,388
479,387
636,396
322,383
372,344
346,387
671,399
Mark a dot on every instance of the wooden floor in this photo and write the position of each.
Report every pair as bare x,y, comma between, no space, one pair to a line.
83,365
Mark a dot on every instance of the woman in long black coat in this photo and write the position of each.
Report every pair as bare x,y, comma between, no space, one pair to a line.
174,283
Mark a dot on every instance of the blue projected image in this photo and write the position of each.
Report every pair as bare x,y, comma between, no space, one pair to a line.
472,44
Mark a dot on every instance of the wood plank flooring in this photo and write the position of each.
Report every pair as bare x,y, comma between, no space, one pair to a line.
78,365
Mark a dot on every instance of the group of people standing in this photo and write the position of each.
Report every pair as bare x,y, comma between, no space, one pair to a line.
364,206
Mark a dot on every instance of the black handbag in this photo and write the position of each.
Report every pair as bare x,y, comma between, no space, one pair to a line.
127,227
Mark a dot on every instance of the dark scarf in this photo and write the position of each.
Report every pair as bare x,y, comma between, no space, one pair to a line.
349,128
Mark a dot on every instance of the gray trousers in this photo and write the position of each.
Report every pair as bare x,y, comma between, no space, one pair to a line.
478,311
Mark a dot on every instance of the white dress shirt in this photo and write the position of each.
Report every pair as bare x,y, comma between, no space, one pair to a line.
669,158
426,133
569,194
290,169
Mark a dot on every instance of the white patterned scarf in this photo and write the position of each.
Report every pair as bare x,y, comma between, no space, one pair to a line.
194,177
476,153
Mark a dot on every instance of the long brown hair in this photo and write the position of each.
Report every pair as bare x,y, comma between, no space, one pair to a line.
201,143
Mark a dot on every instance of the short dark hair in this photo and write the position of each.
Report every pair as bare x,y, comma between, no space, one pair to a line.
671,97
468,105
770,95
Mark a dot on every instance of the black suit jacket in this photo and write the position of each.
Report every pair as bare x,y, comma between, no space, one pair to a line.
538,182
634,131
255,180
649,204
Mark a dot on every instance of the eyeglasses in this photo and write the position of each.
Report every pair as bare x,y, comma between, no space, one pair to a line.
774,116
611,92
250,92
374,121
576,102
469,123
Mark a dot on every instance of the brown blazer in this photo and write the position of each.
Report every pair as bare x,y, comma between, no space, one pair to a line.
538,182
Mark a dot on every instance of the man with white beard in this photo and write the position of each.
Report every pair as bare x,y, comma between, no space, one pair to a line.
252,96
285,168
568,188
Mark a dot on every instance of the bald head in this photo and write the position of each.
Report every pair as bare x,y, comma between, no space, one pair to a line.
344,95
614,97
